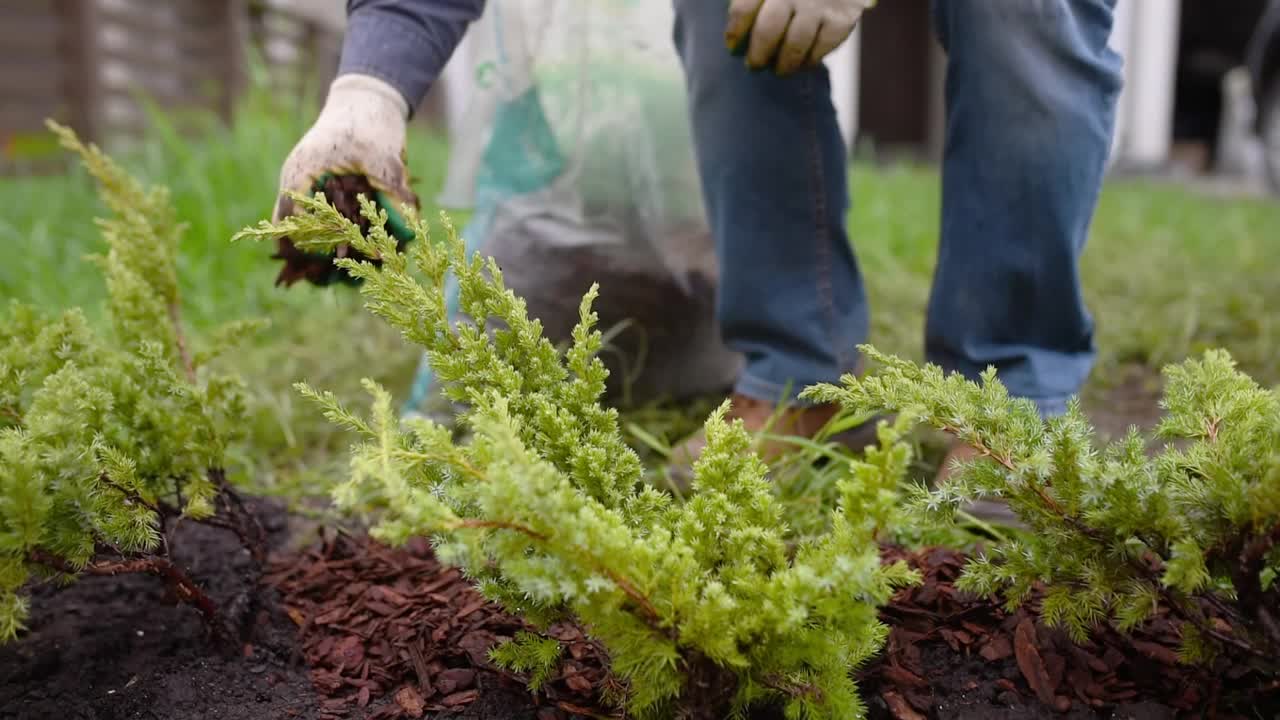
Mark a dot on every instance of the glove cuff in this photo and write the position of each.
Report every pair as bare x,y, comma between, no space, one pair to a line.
360,88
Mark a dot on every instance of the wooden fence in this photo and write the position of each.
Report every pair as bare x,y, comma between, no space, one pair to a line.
87,63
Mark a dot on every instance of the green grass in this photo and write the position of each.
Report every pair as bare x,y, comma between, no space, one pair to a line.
1167,273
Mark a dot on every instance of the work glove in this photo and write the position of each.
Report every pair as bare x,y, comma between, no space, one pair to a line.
790,34
360,133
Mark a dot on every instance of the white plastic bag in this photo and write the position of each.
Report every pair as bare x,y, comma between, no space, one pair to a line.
577,158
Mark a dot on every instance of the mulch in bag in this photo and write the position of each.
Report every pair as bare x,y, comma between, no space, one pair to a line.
577,160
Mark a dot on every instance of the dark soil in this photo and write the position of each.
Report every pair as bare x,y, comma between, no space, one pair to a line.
118,648
342,191
1129,399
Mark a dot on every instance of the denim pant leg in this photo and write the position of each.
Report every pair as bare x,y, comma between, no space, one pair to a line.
773,169
1031,91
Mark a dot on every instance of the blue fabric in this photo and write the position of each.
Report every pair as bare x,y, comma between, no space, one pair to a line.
1031,91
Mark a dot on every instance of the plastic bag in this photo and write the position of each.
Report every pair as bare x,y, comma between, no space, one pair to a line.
577,157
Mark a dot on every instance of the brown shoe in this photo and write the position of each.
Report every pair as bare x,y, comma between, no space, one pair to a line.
991,511
758,417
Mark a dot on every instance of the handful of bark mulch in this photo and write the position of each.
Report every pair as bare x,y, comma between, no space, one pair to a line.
342,191
392,633
951,654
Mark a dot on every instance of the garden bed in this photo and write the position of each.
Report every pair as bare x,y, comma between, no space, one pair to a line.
111,443
348,628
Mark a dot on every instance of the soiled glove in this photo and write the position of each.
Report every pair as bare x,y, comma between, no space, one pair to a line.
360,131
791,34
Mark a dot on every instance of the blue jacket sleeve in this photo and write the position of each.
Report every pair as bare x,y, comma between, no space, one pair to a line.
405,43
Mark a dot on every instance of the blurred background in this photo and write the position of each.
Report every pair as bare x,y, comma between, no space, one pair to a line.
1202,79
207,97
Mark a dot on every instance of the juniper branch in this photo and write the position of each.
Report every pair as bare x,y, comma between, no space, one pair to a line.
180,340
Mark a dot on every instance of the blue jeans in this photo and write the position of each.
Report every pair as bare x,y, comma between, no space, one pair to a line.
1031,90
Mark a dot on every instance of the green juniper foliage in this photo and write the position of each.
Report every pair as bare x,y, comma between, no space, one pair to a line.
103,436
1115,532
701,606
529,653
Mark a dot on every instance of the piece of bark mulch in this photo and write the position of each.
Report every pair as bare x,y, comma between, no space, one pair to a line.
392,633
342,191
953,655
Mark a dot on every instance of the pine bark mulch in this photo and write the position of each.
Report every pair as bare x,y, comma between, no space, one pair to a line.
392,633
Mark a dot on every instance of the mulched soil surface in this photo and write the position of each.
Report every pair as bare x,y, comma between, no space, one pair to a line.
348,628
953,655
116,648
391,633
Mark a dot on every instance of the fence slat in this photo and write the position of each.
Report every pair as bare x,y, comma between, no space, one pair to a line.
161,31
81,60
32,76
28,116
29,30
234,39
79,43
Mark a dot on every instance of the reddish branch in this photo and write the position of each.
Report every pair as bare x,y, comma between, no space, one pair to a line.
239,519
180,339
1053,505
792,689
235,517
129,495
1247,579
650,613
177,579
498,525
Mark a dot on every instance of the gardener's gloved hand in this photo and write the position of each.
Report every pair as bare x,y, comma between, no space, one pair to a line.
360,131
791,34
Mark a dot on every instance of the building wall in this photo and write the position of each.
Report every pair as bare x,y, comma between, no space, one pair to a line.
1147,36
